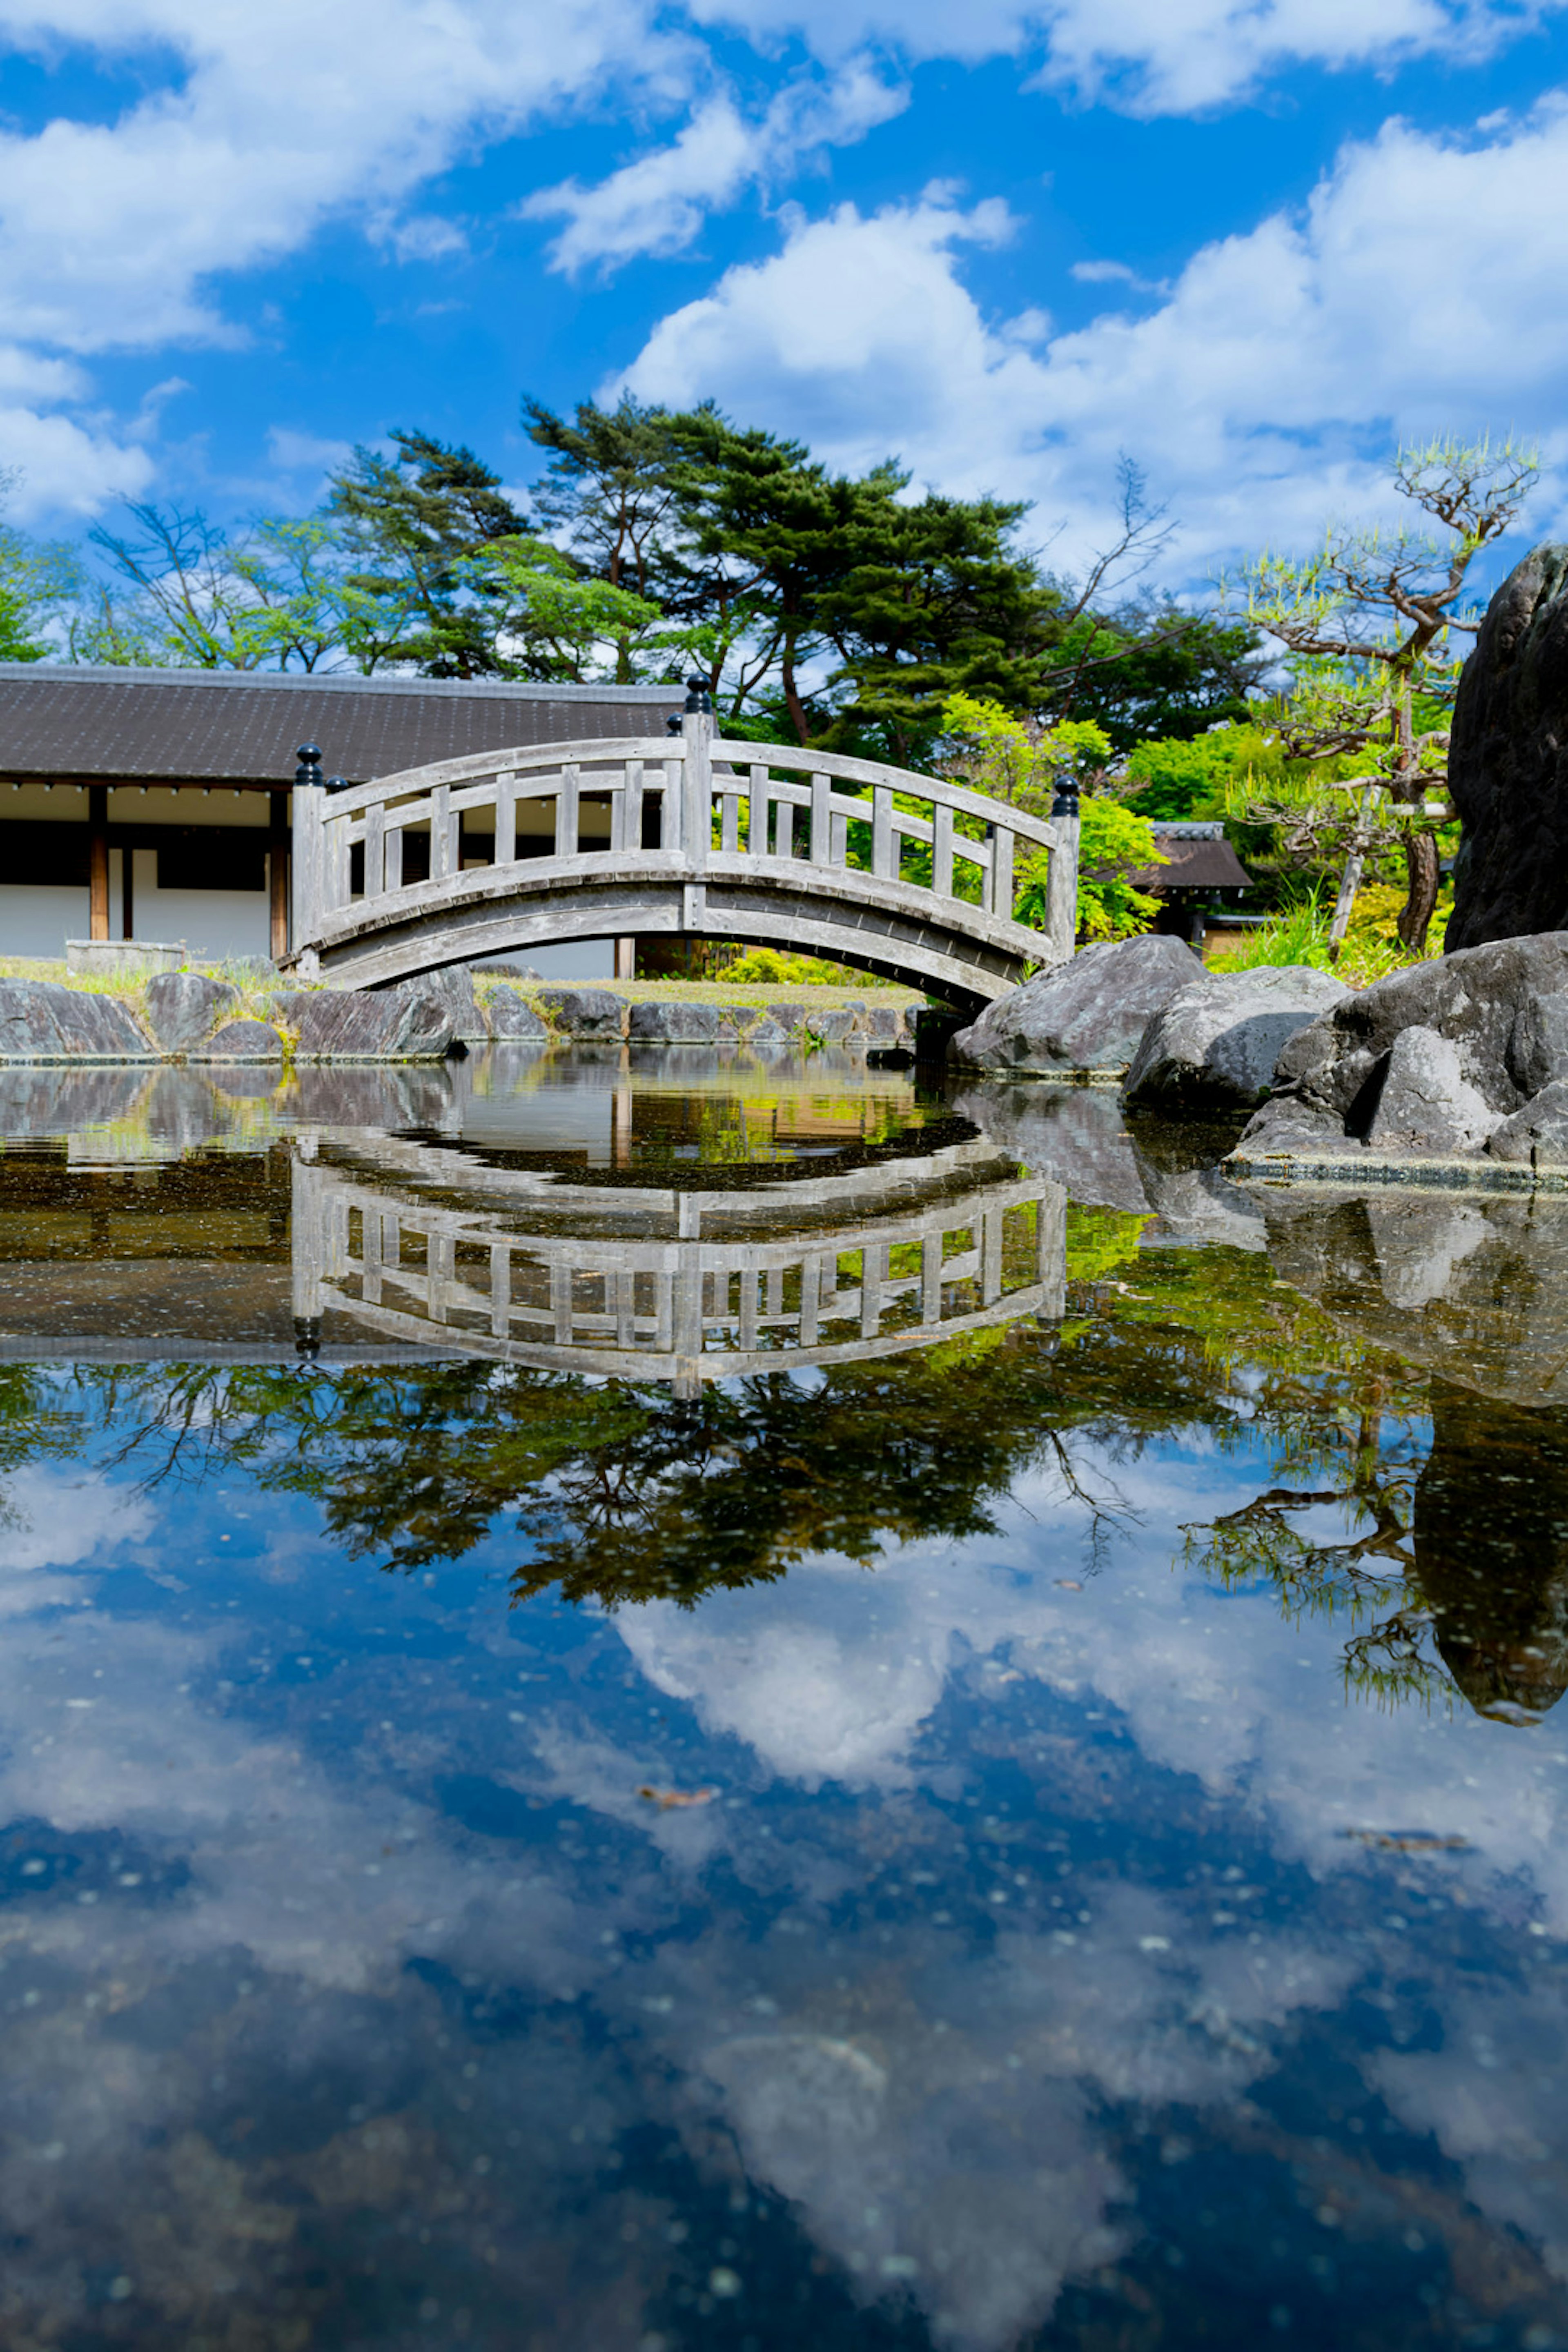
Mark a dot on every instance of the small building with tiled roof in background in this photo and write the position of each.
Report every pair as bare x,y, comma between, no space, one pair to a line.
153,803
1200,879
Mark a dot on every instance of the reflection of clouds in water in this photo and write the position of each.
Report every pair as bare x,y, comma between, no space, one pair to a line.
50,1521
928,2100
1493,2101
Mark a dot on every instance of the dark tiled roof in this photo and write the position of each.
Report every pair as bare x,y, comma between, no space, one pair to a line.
228,726
1200,858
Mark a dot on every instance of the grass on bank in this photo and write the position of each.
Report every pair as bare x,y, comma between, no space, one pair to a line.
1373,949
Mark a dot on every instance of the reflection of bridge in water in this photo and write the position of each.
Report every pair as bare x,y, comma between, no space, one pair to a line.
688,1286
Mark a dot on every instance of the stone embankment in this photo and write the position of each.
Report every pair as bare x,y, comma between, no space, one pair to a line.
190,1016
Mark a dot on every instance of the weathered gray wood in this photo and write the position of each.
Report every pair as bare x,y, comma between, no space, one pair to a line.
443,847
1001,872
375,851
506,818
696,819
566,812
884,859
1061,888
821,827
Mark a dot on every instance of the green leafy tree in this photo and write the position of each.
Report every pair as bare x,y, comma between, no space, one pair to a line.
37,586
1370,620
1020,761
414,525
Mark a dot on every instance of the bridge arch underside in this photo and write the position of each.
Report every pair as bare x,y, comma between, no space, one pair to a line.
915,944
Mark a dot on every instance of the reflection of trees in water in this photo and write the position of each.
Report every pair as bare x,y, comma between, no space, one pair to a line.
1449,1567
1453,1570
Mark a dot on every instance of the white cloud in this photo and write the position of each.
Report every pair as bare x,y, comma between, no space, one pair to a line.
1150,57
658,204
115,231
1413,291
304,453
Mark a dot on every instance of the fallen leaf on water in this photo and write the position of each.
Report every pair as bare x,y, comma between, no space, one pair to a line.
666,1798
1069,1584
1408,1841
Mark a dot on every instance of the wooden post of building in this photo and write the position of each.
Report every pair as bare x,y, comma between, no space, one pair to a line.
278,872
97,861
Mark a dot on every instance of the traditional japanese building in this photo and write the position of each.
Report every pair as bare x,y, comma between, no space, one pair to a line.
154,804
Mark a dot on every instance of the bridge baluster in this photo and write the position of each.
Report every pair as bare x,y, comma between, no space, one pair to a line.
375,850
566,812
884,848
443,848
942,849
1002,842
626,820
784,829
506,819
392,858
821,826
729,823
672,807
757,816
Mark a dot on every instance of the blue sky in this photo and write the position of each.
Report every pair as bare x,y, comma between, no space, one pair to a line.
1250,245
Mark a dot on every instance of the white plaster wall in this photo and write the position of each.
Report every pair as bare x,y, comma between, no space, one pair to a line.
213,924
575,959
37,920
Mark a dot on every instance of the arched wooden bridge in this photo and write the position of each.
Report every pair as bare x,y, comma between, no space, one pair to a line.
907,876
697,1286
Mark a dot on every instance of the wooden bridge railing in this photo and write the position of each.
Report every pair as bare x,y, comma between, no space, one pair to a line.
689,806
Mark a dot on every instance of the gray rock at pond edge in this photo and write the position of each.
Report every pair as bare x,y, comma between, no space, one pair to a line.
242,1040
676,1022
182,1007
1499,1007
836,1023
42,1021
1537,1135
1427,1104
1507,760
388,1024
453,986
513,1020
768,1037
1087,1014
584,1012
1215,1044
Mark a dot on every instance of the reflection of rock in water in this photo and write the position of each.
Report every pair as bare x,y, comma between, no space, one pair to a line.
1474,1289
1491,1550
1474,1292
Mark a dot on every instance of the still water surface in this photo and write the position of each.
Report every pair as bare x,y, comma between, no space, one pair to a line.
701,1708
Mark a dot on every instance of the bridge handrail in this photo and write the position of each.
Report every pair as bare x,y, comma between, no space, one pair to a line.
694,777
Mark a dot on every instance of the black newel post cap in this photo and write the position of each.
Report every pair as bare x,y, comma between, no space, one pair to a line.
1066,800
337,784
307,1335
309,770
697,695
672,725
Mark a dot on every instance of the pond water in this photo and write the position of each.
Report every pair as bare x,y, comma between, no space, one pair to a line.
702,1708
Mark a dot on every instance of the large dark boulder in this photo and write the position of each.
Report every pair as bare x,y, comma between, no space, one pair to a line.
677,1023
1215,1044
1432,1060
409,1024
586,1012
182,1007
42,1021
1507,760
513,1020
1083,1017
